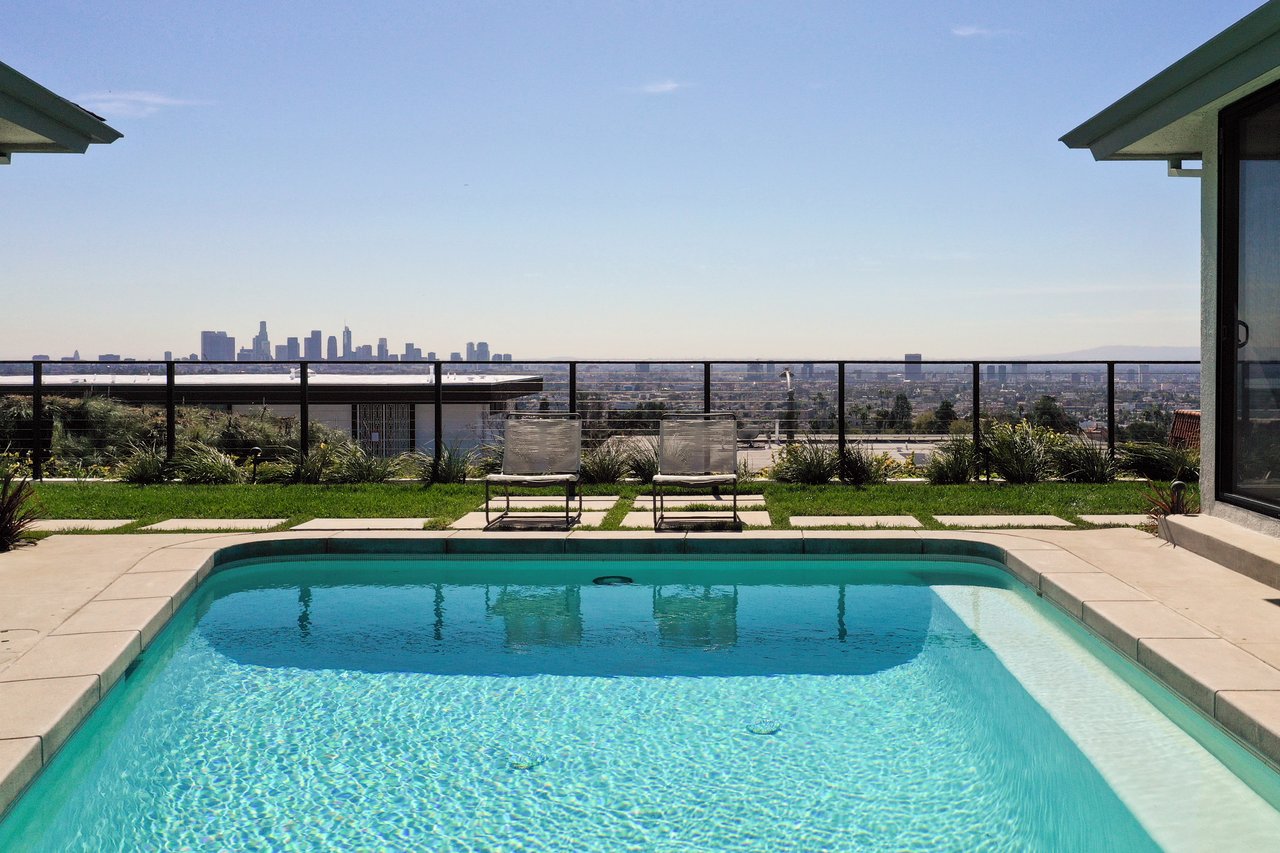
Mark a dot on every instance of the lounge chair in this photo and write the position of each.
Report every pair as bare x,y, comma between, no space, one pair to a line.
696,450
540,450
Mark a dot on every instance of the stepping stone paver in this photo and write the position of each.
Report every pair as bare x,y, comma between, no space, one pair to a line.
216,524
61,524
750,517
986,521
550,503
677,501
362,524
475,520
1127,520
855,521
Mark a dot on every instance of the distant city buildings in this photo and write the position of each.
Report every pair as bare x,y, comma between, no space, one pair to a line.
912,367
219,346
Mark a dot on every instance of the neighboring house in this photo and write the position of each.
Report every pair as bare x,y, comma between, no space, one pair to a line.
35,120
1220,105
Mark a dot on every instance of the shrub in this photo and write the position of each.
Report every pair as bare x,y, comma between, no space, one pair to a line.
861,467
146,466
953,463
278,473
1159,461
453,467
1177,499
607,462
643,458
1079,460
1021,453
487,459
17,510
809,462
351,463
204,465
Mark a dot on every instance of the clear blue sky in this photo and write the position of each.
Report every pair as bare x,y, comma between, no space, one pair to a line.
600,179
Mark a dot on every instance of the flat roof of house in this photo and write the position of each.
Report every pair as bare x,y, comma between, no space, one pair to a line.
1175,113
282,387
34,119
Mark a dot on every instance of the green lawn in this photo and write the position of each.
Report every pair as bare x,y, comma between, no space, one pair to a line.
444,504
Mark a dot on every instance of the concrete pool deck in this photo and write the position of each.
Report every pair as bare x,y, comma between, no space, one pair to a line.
75,611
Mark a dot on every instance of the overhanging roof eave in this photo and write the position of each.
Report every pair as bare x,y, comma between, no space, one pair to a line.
68,126
1225,64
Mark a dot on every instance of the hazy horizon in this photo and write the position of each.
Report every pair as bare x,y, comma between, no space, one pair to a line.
620,181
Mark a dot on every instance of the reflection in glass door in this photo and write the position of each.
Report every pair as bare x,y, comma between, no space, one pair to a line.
1250,350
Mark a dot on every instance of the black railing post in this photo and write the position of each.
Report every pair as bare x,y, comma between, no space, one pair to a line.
439,416
170,412
573,386
977,406
37,420
304,411
706,386
841,429
1111,409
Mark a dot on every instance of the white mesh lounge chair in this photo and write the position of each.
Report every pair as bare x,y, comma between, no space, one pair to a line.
539,450
696,450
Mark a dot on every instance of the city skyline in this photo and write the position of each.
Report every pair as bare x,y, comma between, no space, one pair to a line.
647,181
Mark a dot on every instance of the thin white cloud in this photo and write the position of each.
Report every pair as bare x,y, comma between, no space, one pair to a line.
968,31
135,104
661,87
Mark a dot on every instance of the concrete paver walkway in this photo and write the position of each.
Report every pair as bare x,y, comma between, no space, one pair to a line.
216,524
855,521
990,521
62,525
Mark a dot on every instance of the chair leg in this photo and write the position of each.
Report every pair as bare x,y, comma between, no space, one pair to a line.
657,519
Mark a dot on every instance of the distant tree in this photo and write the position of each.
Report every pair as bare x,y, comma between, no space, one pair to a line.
944,415
900,415
1152,424
824,419
1048,412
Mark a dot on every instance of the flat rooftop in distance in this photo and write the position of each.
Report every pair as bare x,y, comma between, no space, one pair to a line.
283,387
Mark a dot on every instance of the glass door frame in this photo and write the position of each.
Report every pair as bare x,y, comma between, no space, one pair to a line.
1230,121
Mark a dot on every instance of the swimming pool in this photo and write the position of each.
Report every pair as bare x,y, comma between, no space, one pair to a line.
706,704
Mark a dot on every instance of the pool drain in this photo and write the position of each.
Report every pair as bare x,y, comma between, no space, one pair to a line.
765,727
612,580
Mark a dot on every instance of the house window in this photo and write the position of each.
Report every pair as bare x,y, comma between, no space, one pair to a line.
1249,305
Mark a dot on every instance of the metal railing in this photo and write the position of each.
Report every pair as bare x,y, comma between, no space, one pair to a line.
775,400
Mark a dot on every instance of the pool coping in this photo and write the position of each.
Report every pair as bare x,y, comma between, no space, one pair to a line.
94,604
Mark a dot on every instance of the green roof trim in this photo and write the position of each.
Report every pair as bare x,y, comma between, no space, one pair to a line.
1174,114
34,119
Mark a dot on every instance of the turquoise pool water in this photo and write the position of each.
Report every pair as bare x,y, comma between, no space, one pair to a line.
709,705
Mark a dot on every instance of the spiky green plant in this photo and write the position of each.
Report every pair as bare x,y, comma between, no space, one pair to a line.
1021,453
145,466
17,510
353,464
643,458
1159,461
861,467
607,462
453,468
205,465
1079,460
808,461
954,462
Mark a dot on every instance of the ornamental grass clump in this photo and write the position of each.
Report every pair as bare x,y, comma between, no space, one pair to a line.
453,466
1154,461
808,462
861,467
17,510
607,462
1021,453
1079,460
145,466
643,459
203,465
954,463
351,464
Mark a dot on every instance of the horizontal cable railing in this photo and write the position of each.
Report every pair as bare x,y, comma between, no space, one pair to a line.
54,410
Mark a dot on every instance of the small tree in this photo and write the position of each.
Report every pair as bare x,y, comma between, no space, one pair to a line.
1049,414
944,415
900,415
